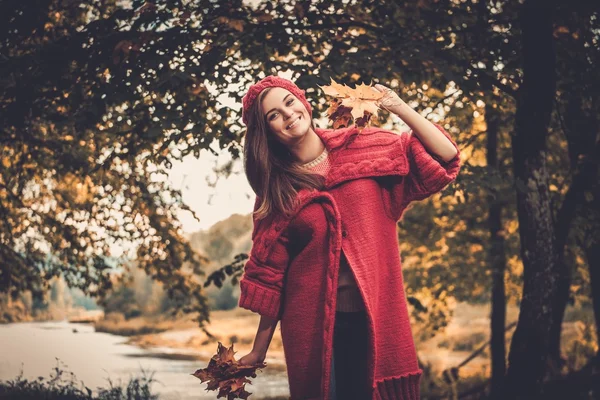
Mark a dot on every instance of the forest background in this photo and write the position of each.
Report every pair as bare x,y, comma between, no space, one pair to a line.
100,98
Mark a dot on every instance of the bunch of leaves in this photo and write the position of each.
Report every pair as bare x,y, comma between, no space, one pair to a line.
348,105
226,374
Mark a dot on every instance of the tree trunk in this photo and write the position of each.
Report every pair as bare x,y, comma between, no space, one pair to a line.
581,135
592,253
531,341
496,260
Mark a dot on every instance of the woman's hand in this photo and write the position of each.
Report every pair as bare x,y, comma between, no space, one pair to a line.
254,357
390,100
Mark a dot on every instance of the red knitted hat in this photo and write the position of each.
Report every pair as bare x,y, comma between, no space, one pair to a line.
271,81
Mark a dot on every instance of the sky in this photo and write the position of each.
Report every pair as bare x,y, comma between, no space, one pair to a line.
230,195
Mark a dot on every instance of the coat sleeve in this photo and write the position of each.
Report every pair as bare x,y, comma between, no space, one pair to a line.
261,285
427,174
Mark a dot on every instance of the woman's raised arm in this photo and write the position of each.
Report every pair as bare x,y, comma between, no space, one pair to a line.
434,141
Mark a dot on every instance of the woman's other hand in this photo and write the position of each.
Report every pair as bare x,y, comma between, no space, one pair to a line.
254,357
390,99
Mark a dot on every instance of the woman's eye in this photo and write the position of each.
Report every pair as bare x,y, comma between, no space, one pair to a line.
274,115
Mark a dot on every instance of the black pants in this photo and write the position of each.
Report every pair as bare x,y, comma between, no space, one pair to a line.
350,351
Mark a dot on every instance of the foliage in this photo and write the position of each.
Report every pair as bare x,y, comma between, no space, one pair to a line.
56,304
136,294
223,242
227,375
582,350
63,385
84,154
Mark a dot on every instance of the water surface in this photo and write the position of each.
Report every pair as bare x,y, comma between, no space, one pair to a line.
96,357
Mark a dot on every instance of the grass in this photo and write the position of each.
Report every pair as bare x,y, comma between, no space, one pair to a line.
63,385
237,326
116,324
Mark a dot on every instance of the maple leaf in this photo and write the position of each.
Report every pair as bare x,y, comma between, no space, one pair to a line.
337,90
348,104
226,375
333,105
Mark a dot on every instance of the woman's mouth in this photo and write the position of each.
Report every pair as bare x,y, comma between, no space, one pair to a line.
293,124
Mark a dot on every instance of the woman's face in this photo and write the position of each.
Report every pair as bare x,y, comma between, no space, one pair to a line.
285,115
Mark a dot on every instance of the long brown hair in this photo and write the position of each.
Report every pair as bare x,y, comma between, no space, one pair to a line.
270,168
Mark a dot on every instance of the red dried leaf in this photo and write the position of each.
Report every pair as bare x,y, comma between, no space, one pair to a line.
225,374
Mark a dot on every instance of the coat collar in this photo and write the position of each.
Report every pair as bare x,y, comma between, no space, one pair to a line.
370,153
354,155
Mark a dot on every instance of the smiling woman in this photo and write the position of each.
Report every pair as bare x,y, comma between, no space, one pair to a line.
280,138
329,269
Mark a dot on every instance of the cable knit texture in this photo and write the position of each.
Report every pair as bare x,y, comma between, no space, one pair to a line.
294,265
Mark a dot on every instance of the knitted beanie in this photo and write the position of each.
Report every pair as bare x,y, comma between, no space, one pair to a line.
271,81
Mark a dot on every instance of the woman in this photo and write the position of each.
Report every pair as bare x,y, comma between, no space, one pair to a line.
325,259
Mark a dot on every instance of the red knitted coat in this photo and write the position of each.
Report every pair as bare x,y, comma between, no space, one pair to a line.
292,271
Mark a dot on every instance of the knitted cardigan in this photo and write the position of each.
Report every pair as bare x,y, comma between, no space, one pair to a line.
348,295
292,272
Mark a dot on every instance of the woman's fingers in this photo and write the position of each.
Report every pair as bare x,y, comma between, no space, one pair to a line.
387,98
381,88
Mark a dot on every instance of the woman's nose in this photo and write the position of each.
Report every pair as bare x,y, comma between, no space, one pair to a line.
287,113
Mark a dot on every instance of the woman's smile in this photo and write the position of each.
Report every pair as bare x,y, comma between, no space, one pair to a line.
293,124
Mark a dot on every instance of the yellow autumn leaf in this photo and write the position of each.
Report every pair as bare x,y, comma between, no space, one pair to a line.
359,106
368,92
362,98
337,90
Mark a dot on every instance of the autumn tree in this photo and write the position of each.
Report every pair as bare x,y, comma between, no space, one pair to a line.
95,108
99,101
575,197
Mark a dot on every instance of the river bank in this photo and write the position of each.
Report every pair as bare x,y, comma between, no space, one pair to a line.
468,330
237,327
98,358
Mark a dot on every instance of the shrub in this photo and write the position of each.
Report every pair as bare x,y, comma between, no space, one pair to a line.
62,385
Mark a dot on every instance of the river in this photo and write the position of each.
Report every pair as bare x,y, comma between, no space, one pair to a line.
96,357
